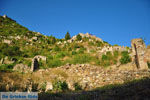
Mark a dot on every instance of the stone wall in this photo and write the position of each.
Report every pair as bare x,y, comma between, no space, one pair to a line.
138,53
113,48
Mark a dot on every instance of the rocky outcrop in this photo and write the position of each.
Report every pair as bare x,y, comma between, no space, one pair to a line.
35,61
138,53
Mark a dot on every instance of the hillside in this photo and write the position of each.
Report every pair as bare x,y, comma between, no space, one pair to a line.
31,61
28,44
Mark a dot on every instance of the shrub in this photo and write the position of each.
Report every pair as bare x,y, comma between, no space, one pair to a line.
104,57
77,87
79,38
116,53
60,86
7,67
74,52
108,56
125,57
99,44
10,50
109,59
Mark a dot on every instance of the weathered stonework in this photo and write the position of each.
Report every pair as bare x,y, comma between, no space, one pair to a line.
138,52
113,48
86,35
35,61
89,76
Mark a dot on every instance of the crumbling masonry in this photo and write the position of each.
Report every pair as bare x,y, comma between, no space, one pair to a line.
138,53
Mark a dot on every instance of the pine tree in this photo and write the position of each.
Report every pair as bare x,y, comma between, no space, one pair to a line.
67,36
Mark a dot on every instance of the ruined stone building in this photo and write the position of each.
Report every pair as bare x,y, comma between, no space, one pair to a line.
35,62
138,53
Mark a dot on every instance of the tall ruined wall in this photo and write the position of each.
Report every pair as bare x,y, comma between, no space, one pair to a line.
138,53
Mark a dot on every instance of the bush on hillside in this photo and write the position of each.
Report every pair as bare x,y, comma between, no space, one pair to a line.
7,50
74,52
60,86
7,67
109,59
79,38
125,57
77,87
99,44
116,53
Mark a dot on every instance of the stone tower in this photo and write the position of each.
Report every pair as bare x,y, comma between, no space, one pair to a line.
138,52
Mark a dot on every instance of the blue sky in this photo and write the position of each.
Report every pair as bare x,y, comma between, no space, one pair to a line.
115,21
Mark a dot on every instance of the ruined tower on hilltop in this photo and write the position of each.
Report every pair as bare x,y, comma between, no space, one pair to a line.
138,52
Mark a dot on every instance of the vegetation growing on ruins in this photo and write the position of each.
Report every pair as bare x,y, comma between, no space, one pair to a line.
125,57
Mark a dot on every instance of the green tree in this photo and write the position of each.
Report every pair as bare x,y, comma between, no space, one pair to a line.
79,38
67,36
